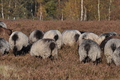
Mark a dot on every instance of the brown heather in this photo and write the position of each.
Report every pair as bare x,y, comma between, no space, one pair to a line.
68,66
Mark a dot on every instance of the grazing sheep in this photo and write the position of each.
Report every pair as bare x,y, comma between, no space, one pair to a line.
109,49
88,51
2,24
44,48
89,35
19,43
4,46
109,34
101,40
69,37
56,35
104,37
36,35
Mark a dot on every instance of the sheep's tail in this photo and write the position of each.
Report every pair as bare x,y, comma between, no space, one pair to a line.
76,37
14,38
15,50
87,48
52,46
113,47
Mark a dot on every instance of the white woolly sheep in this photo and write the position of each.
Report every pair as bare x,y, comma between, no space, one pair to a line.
36,35
104,37
109,49
19,43
89,35
2,24
56,35
88,51
44,48
4,46
109,34
69,37
99,39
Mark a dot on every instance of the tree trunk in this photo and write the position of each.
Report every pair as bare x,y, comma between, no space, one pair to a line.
109,9
62,16
85,14
2,12
32,12
41,12
98,10
81,10
9,9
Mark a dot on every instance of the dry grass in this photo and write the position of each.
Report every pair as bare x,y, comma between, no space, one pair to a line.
67,67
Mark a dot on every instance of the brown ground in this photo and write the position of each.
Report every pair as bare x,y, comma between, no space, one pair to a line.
68,66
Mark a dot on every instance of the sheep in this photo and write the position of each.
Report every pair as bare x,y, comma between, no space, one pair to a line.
104,37
88,51
109,49
4,47
2,24
45,48
36,35
56,35
19,43
69,37
88,35
109,34
101,40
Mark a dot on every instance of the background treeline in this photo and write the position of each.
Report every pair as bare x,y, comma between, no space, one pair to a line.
60,9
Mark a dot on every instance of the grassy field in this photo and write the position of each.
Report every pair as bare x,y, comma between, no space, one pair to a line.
67,66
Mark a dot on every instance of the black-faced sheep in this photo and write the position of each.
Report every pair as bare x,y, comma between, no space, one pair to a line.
4,46
109,34
89,35
19,43
44,48
88,51
69,37
104,37
99,39
2,24
36,35
56,35
109,49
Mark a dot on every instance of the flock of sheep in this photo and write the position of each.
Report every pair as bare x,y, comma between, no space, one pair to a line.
46,44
